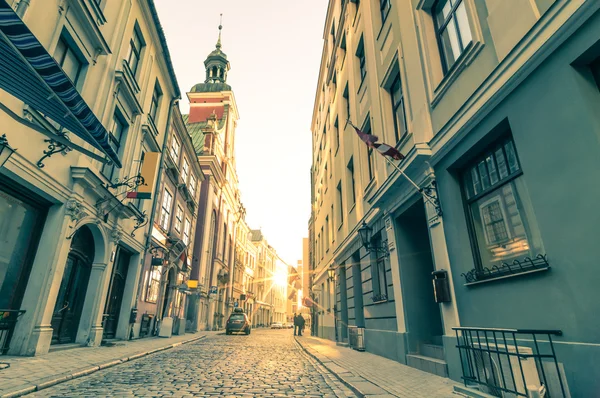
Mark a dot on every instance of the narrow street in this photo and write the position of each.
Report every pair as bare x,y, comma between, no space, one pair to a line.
266,363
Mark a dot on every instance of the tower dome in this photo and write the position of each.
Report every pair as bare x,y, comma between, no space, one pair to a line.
217,66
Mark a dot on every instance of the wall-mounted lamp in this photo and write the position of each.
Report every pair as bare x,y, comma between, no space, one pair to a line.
365,232
331,273
6,150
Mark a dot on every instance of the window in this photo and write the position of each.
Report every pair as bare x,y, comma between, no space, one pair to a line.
398,109
378,272
115,136
153,285
178,218
135,50
322,243
501,219
340,204
68,59
192,186
185,170
327,235
156,96
347,101
452,30
350,168
186,231
166,209
175,147
139,203
362,62
370,158
336,134
384,7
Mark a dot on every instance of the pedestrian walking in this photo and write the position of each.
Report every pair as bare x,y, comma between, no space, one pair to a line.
301,323
296,325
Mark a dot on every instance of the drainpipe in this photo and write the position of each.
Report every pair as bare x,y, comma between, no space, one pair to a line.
155,201
22,8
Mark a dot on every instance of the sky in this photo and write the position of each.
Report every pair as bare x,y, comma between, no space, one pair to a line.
274,48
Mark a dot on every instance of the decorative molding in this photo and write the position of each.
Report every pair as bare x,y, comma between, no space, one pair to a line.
75,210
116,235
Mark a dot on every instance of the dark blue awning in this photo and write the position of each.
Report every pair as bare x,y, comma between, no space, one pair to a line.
30,74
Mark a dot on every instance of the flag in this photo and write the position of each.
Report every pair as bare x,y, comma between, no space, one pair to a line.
382,148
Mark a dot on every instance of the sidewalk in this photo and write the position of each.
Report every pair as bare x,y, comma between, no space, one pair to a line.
28,374
375,376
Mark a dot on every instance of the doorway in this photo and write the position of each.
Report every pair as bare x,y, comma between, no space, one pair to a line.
166,310
114,298
343,304
423,316
73,288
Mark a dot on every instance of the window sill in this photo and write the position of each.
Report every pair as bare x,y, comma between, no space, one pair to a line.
370,187
517,268
362,83
465,59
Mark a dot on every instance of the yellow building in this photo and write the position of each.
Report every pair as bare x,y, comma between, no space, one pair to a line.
82,136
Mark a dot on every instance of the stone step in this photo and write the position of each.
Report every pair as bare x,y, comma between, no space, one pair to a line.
432,350
428,364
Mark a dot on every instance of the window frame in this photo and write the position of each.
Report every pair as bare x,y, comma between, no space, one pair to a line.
175,153
439,29
350,168
396,105
187,231
362,60
153,280
155,102
468,201
137,34
164,221
116,144
70,48
185,170
384,8
192,185
178,218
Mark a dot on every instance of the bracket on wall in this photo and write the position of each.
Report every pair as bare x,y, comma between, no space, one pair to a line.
131,182
431,192
54,147
140,221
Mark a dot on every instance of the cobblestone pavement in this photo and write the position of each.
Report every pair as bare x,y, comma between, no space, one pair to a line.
266,363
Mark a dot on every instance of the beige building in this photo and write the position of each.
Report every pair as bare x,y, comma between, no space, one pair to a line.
472,93
84,134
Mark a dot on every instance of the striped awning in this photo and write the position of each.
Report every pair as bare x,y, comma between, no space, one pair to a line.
30,74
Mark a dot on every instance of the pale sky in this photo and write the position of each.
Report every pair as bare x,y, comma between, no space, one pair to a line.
274,47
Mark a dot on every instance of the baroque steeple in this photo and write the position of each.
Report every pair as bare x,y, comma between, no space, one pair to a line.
216,63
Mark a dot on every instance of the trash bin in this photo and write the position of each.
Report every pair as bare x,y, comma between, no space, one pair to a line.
360,339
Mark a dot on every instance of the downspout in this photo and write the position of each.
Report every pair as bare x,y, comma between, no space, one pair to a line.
154,202
22,8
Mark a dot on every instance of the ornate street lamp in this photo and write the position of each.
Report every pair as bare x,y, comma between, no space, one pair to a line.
6,150
331,273
365,235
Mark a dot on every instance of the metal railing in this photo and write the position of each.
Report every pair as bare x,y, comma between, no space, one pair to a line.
8,320
510,361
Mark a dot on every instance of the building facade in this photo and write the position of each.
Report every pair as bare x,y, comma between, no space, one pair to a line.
163,287
212,124
73,240
469,92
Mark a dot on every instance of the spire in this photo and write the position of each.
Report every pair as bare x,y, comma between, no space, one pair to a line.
220,28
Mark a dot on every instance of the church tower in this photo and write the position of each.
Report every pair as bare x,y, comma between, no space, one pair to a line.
211,123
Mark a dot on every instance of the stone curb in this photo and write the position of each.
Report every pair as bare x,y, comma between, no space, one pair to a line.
355,390
54,380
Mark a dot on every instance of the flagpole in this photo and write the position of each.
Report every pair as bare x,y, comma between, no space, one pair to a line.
427,198
418,188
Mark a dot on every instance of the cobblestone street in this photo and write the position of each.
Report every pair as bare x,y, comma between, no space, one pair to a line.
266,363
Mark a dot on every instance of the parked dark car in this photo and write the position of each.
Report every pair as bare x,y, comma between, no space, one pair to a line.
238,322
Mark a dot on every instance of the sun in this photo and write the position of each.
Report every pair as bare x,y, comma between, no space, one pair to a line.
280,279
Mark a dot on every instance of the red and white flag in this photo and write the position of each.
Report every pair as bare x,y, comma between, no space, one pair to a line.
382,148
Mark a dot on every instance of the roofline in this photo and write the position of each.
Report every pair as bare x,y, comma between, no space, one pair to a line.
163,42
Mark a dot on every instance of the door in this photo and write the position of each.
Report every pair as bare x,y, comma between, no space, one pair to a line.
114,299
73,288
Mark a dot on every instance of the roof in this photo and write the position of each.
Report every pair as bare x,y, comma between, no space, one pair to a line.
195,131
256,234
163,42
210,87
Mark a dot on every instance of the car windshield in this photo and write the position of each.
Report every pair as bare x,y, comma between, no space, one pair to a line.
236,317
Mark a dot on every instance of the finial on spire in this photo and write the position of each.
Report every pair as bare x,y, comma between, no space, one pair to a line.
220,28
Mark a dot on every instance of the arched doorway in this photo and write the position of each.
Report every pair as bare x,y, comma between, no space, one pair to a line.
167,299
114,299
71,295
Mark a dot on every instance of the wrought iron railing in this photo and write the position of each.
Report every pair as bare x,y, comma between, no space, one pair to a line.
8,320
510,361
538,263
